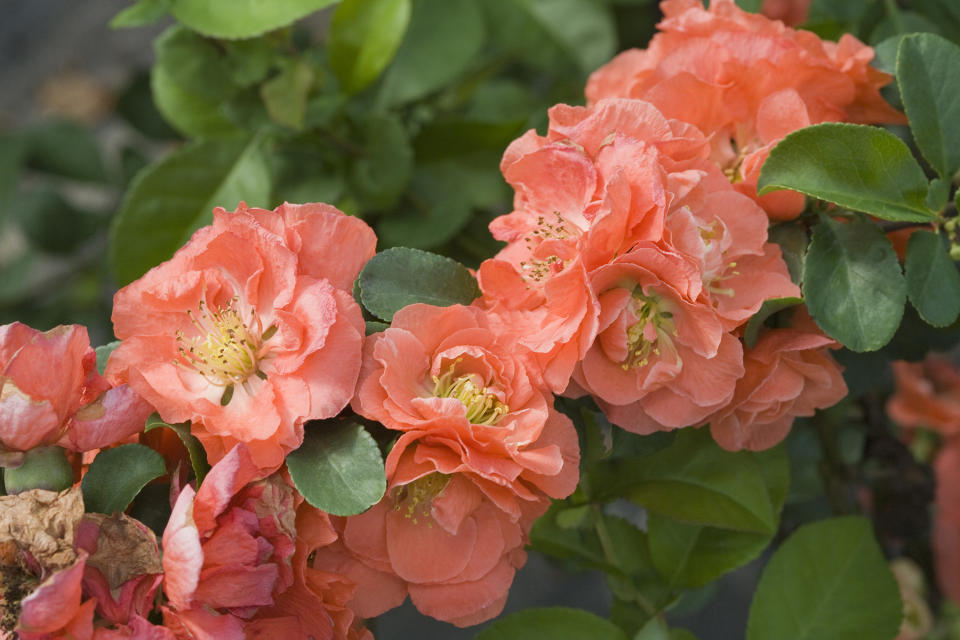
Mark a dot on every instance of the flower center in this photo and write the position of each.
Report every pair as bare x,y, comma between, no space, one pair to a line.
539,269
483,407
228,350
652,326
416,497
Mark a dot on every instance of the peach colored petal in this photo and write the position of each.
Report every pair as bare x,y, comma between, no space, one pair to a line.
457,603
55,601
182,553
946,529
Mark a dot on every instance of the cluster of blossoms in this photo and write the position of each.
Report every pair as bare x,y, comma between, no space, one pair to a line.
637,249
635,255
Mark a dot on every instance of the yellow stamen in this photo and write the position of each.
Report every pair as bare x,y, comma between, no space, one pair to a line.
483,407
227,350
417,497
653,325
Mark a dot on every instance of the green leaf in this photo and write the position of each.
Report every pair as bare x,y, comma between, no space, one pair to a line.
171,199
241,18
285,95
103,354
198,455
338,468
443,40
927,75
251,60
855,166
753,6
694,481
372,326
852,283
933,284
66,149
398,277
139,14
657,629
191,81
549,33
829,581
363,38
793,242
551,623
382,173
690,556
117,475
767,309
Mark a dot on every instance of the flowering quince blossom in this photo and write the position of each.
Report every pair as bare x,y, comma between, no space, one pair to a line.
249,330
928,395
747,81
673,261
788,373
235,555
946,526
51,393
480,453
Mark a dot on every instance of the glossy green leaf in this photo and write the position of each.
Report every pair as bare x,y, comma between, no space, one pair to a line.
66,149
372,326
793,242
551,623
381,174
933,284
690,555
829,581
855,166
852,283
752,6
930,88
767,309
171,199
191,80
251,60
285,95
363,38
338,468
553,33
442,41
139,14
195,450
695,481
117,475
241,18
103,354
398,277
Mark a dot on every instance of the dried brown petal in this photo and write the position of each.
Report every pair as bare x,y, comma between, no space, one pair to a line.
43,523
126,549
